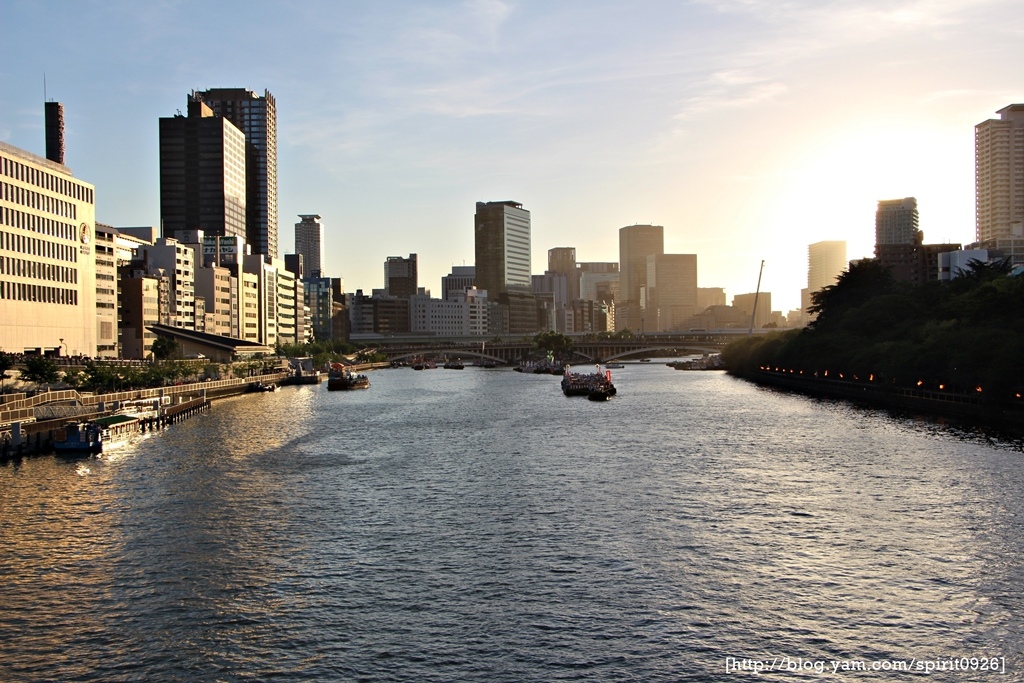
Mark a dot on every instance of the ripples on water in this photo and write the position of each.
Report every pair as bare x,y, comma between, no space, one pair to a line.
480,526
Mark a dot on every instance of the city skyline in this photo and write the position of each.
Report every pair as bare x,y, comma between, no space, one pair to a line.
748,130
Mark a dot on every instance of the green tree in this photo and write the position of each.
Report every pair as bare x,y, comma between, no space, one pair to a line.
6,363
864,281
165,347
41,370
558,344
74,378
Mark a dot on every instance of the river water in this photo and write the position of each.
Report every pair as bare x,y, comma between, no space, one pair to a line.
479,526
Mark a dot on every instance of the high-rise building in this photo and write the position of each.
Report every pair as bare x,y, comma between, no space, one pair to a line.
710,296
563,260
177,261
826,261
256,117
671,290
400,276
502,245
898,238
47,264
746,304
309,242
636,243
107,304
896,222
202,174
455,284
599,281
999,174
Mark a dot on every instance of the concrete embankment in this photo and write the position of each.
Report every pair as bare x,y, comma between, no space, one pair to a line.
975,408
22,434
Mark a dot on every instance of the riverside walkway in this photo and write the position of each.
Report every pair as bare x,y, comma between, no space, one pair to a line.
21,433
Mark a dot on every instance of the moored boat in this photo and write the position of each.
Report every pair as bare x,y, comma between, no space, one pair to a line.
341,379
96,436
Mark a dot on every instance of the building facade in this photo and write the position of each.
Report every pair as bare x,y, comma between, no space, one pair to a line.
710,296
636,243
999,174
107,345
202,174
502,246
459,280
176,260
563,260
214,284
47,257
671,291
400,276
897,222
256,116
309,243
826,261
745,303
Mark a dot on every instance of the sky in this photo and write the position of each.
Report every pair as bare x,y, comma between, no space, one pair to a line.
747,128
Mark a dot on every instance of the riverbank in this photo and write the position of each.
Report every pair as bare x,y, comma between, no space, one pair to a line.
970,408
22,434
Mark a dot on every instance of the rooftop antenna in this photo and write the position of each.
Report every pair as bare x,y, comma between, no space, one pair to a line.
757,293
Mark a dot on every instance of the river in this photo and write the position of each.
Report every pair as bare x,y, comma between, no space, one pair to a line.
477,525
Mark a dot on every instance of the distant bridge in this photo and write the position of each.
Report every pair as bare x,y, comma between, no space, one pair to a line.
584,348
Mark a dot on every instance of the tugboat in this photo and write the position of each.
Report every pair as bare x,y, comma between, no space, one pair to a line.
96,436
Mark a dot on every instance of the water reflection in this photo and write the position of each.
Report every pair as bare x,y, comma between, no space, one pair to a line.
481,526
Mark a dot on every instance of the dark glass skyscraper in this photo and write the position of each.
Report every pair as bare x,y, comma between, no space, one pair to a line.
256,117
202,174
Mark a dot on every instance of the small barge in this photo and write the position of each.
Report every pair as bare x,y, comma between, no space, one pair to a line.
96,436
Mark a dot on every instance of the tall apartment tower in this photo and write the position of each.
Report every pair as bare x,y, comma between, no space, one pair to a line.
309,242
636,243
400,277
256,117
502,245
563,260
896,222
826,261
898,239
999,174
202,174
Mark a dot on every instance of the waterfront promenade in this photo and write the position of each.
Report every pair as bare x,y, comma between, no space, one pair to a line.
972,407
22,433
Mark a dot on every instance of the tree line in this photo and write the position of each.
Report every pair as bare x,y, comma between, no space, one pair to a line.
965,335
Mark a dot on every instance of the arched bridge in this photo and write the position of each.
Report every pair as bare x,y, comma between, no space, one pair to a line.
584,348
